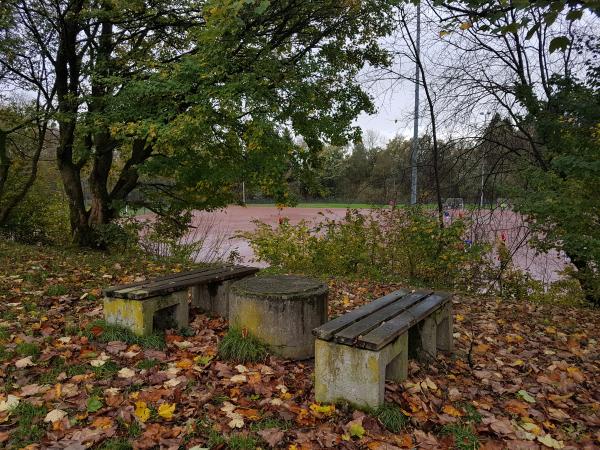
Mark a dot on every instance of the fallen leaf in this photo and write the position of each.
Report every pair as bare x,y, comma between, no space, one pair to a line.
272,436
126,372
502,427
524,395
451,410
24,362
239,378
236,422
166,410
356,430
55,415
11,402
549,441
142,412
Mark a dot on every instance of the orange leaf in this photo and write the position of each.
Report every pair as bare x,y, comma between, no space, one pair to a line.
451,410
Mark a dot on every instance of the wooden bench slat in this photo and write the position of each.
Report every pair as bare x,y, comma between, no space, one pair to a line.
167,288
205,275
350,334
109,290
327,330
391,329
169,279
167,285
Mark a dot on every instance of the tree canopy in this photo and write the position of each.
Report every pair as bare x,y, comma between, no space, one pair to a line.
184,99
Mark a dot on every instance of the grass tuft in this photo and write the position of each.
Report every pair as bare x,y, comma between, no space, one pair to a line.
4,333
472,415
271,423
463,434
148,364
116,444
27,349
242,442
30,428
391,417
103,332
241,347
56,289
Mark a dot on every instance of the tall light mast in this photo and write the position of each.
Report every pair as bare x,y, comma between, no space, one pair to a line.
415,142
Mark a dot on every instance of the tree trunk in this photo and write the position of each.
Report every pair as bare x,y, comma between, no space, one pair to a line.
4,161
590,290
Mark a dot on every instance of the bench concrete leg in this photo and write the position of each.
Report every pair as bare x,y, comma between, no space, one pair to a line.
431,334
212,298
445,329
344,373
397,368
138,315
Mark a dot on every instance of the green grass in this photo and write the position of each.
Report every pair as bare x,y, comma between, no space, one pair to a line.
241,442
214,438
107,370
148,364
27,349
30,427
115,333
263,424
116,444
239,348
463,434
471,413
4,333
56,289
391,417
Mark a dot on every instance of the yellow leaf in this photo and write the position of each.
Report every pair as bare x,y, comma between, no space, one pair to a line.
465,25
326,410
142,412
356,430
549,441
481,348
185,363
532,428
166,410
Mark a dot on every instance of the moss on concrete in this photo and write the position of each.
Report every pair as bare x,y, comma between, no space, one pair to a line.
284,287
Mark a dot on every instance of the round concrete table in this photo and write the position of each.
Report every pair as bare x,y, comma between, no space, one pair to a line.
281,311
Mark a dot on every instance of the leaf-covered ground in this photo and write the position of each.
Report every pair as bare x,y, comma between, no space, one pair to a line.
524,375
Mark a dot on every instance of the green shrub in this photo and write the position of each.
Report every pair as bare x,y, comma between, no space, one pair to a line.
43,215
242,347
405,244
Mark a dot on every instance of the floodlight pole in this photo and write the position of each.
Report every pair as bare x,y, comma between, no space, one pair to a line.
415,142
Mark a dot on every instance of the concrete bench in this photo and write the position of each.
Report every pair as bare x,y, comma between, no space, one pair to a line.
138,305
356,352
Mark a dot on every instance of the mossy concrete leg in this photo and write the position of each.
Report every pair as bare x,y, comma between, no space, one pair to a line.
280,311
138,315
212,298
345,373
432,333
